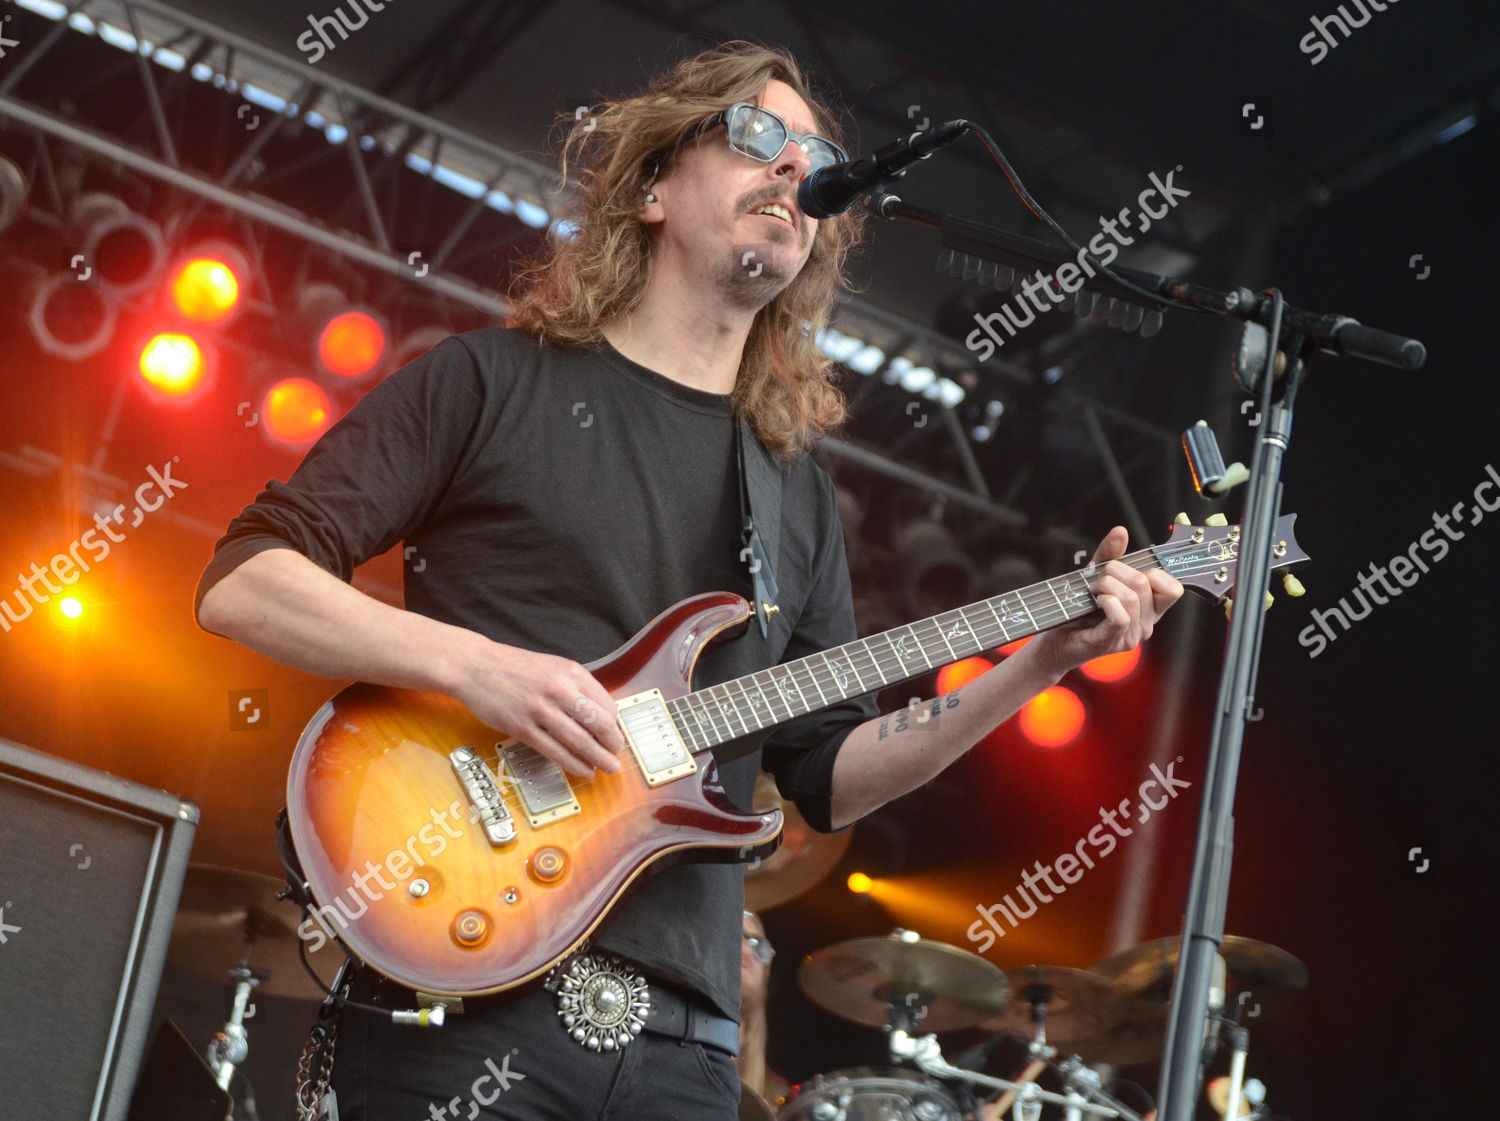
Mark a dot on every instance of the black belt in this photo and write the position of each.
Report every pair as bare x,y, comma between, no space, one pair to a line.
676,1017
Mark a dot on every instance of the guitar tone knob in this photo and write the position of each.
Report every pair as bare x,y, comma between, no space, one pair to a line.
470,928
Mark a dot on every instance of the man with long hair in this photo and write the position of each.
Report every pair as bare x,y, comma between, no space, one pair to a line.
564,480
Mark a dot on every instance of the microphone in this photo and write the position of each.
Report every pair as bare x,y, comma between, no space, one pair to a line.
834,189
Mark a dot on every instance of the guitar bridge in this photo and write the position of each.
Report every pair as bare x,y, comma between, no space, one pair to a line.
484,796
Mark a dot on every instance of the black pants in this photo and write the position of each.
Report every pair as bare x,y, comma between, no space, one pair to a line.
510,1058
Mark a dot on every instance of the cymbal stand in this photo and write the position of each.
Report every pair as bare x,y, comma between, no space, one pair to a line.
927,1055
1239,1046
230,1046
1085,1085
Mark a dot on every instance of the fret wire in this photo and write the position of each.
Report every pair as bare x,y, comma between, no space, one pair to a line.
728,707
686,723
718,719
750,702
771,677
833,675
812,675
865,642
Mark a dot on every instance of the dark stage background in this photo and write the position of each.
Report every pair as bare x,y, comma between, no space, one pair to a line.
1356,196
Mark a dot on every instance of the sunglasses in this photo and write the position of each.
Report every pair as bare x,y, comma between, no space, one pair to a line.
761,135
760,947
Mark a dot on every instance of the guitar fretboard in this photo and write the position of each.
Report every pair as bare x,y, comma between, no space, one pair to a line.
773,696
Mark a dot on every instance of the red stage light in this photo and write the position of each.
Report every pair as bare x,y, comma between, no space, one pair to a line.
1053,717
1011,647
296,411
1112,667
173,365
351,344
206,289
961,673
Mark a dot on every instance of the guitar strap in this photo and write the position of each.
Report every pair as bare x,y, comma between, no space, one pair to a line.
760,520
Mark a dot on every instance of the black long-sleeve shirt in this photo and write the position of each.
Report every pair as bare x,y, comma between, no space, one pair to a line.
557,500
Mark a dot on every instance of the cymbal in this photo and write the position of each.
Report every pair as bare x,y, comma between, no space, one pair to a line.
804,857
860,978
227,916
1138,1038
1266,976
1079,1004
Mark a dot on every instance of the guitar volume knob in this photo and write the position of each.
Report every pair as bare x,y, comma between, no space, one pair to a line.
547,865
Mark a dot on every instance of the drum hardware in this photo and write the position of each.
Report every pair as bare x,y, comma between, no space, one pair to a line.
904,980
926,1054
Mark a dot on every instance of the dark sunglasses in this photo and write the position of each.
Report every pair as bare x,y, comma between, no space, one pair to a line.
761,135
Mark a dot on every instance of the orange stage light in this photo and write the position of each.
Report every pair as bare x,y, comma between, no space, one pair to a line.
1011,647
1053,717
173,365
859,883
206,289
351,344
70,607
296,411
961,673
1112,667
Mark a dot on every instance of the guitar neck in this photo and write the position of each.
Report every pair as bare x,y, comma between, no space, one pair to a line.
780,693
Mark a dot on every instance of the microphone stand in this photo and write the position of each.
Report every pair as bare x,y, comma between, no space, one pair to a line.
1291,336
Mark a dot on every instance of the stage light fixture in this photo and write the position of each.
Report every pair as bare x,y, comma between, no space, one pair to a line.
125,250
937,575
70,607
1053,717
1011,647
174,366
69,319
351,344
207,284
1112,667
296,411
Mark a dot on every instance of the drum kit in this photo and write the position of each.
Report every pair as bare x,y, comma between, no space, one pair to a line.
1114,1014
230,924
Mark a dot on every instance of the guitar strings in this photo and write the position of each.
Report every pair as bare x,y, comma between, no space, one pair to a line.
1046,601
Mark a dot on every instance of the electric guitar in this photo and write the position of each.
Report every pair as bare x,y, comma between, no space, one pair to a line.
459,861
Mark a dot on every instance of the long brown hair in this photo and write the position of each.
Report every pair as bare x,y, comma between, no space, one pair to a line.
584,280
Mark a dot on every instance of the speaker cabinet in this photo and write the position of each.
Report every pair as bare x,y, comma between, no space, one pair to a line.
90,870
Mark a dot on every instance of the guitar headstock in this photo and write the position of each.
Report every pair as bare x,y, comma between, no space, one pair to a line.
1206,557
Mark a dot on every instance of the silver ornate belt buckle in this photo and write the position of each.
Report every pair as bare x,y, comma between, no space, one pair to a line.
602,1000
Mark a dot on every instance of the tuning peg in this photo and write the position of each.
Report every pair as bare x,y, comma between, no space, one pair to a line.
1181,519
1216,519
1229,607
1270,599
1292,586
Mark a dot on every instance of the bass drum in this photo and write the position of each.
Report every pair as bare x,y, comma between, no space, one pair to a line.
870,1094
